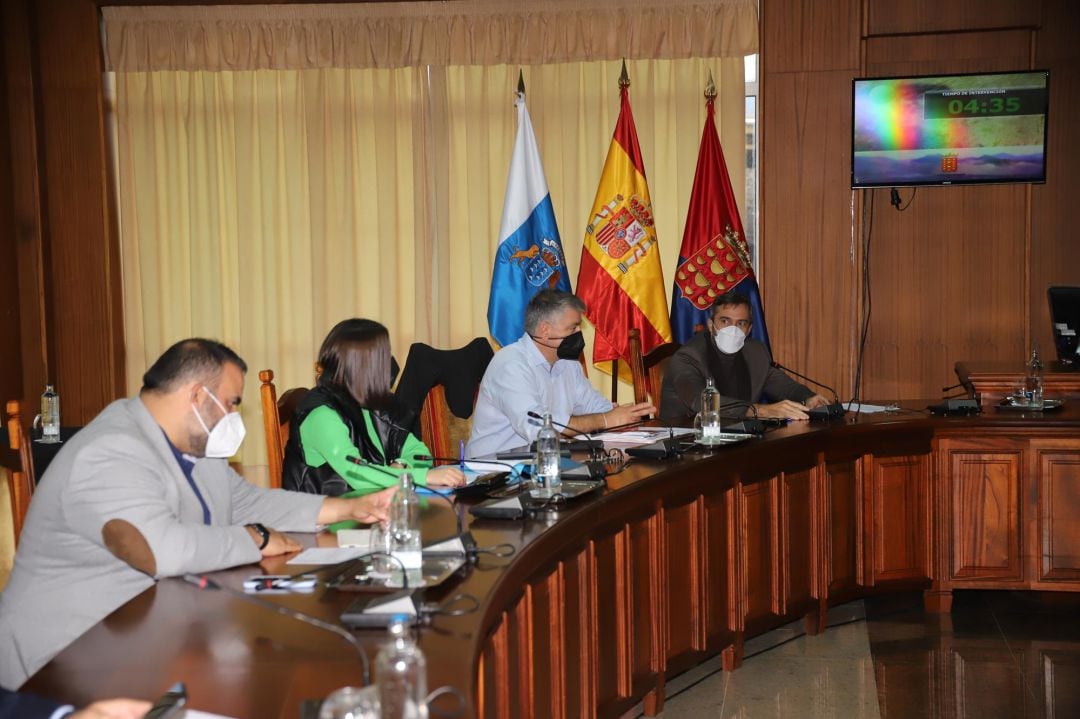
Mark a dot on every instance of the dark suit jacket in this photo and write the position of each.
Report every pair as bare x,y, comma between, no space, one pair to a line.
14,705
680,397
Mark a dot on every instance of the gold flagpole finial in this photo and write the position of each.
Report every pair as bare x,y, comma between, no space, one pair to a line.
710,88
624,77
521,81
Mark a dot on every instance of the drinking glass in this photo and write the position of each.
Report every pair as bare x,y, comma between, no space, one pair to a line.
382,542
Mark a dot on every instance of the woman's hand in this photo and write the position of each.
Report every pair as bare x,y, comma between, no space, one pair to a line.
446,476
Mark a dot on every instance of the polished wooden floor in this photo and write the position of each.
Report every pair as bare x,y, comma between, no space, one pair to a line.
997,654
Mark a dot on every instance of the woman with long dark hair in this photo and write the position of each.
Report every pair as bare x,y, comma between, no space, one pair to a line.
347,415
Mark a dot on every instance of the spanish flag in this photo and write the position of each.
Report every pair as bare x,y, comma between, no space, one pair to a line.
620,278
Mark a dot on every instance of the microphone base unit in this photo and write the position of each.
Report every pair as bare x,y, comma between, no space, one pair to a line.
828,412
666,448
955,408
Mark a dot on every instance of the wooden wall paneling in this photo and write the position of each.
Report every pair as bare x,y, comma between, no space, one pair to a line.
494,688
579,636
645,579
950,246
718,562
84,294
804,35
985,488
797,543
1055,253
842,522
548,646
611,588
684,593
25,228
927,54
886,17
899,506
520,643
1057,486
736,573
11,386
809,273
759,527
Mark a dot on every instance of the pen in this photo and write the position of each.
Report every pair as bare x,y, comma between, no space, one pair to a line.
461,453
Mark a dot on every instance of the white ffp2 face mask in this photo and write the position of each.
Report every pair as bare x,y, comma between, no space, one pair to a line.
225,438
730,339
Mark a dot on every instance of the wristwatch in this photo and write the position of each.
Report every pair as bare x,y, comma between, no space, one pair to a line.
262,532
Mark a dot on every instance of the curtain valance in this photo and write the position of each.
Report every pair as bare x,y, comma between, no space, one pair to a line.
414,34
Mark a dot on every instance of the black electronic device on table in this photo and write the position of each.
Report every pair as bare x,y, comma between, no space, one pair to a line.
516,501
483,485
379,611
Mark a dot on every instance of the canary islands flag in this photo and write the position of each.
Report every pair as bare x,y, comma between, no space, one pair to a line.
620,278
530,255
714,257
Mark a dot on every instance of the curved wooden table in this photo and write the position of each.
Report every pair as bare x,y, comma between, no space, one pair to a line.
674,563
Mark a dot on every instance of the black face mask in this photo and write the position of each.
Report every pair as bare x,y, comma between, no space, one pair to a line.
570,347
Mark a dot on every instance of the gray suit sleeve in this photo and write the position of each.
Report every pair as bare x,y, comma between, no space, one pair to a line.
117,483
278,509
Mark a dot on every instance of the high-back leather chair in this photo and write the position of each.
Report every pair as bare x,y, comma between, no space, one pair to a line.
19,462
277,419
648,369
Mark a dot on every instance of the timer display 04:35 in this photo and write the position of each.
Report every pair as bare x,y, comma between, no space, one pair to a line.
984,103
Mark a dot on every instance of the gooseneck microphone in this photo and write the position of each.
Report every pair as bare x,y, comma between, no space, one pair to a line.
829,411
592,444
204,582
457,460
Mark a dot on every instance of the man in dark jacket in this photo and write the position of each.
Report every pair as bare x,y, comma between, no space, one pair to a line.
741,370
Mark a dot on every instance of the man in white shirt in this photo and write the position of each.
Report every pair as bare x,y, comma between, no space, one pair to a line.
541,373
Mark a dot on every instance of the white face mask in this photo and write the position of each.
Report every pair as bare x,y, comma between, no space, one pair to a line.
730,340
225,438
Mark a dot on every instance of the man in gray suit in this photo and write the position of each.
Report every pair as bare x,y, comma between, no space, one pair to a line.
741,370
143,492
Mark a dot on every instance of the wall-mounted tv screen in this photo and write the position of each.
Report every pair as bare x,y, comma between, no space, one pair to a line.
949,129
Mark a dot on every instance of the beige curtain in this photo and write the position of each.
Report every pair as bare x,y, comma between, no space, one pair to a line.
260,207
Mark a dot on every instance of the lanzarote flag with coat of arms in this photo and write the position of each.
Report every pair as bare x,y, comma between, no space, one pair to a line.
530,255
620,278
714,257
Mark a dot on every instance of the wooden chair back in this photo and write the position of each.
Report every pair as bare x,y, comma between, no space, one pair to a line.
277,420
648,369
19,461
441,430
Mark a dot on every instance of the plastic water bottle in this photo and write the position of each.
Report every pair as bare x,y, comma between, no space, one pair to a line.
405,530
549,481
401,674
707,421
50,415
